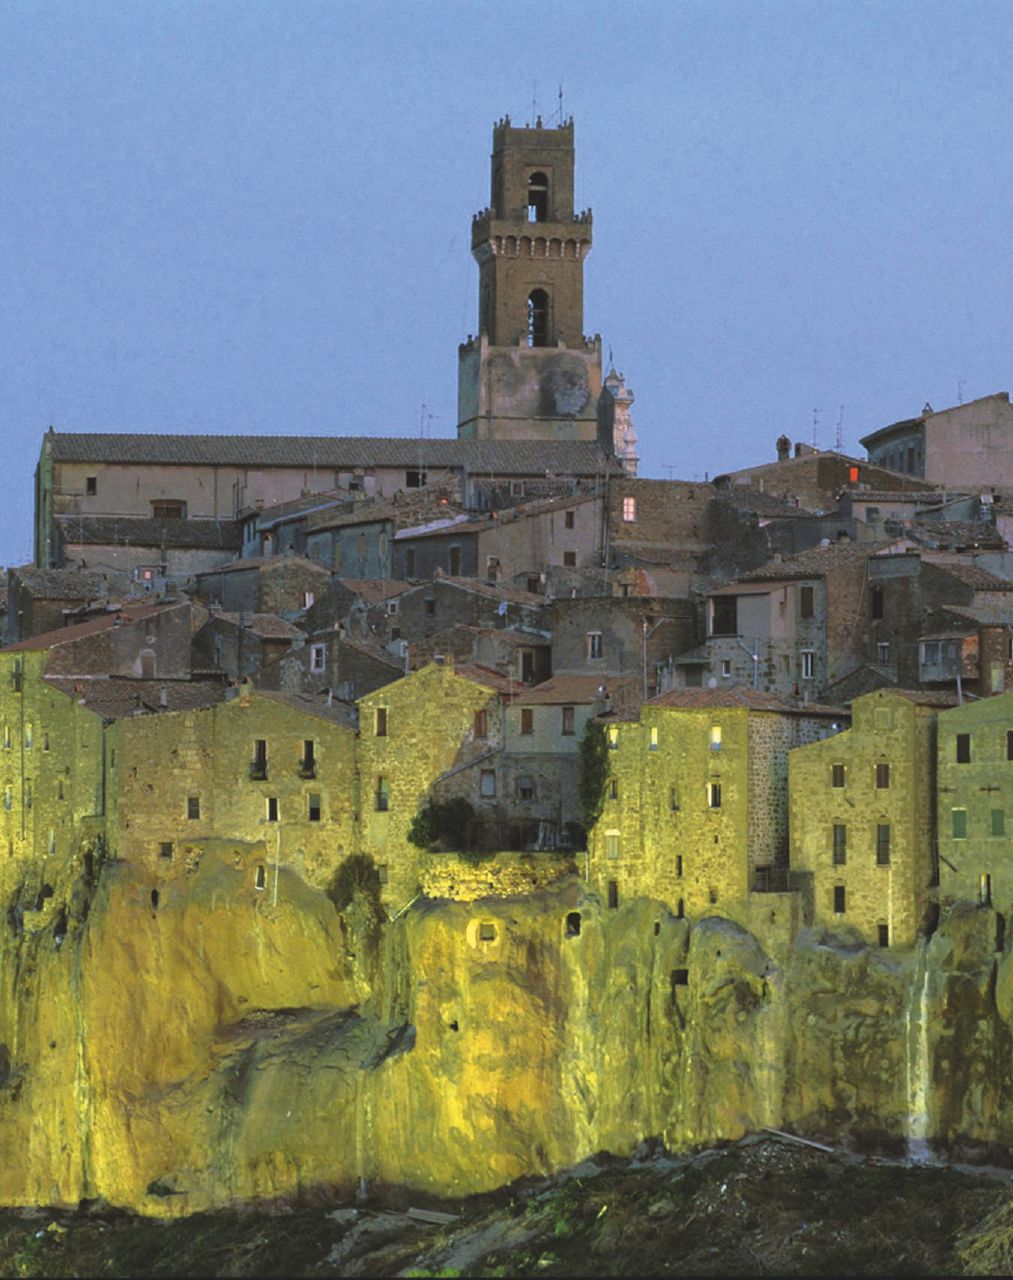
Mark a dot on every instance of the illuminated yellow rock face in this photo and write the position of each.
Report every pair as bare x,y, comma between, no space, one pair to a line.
228,1043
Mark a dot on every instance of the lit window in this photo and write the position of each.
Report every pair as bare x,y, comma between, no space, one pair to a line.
715,737
612,845
307,599
654,738
613,737
629,510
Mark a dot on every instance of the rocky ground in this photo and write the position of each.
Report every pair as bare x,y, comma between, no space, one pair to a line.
764,1206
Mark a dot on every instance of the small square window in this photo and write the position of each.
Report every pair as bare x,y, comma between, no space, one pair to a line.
486,931
193,807
165,849
569,559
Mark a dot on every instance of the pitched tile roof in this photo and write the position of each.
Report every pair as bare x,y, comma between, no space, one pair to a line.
737,696
60,584
315,704
224,535
480,457
115,617
271,563
373,590
267,626
486,676
815,562
621,691
972,575
112,698
497,591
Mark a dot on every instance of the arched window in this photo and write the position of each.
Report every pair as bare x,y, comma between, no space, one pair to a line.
538,198
538,318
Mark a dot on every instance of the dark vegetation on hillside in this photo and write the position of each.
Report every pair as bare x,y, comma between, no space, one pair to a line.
760,1207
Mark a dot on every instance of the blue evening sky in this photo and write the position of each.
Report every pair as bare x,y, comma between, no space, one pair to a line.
255,217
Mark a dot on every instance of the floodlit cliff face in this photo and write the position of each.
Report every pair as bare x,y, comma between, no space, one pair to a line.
225,1041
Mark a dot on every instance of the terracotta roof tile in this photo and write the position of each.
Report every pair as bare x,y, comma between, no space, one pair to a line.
112,698
737,696
223,535
115,617
621,691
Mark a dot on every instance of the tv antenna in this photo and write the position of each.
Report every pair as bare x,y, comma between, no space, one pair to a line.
839,445
960,390
816,423
534,101
560,106
669,467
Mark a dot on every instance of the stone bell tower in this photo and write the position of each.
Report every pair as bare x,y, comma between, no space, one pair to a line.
530,374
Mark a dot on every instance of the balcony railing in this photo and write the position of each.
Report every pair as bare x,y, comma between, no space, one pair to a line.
258,770
307,768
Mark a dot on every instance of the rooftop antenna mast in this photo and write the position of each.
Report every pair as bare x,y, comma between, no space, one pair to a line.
560,106
839,445
816,423
534,102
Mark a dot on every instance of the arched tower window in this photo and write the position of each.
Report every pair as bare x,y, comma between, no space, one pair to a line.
538,198
538,318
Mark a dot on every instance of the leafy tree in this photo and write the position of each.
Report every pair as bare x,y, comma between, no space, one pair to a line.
592,770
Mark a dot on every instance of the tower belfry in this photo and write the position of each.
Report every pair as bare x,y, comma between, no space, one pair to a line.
530,373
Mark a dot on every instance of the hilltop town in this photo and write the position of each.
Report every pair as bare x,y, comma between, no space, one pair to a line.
504,678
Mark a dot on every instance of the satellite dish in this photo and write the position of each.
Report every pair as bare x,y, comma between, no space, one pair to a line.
712,683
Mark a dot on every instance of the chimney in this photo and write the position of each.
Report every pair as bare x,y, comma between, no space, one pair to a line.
783,446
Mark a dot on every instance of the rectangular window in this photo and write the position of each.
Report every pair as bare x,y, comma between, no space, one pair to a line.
839,899
1009,744
193,807
882,776
959,820
883,651
487,783
307,599
877,602
724,616
594,649
673,798
653,738
714,795
8,797
629,510
313,807
381,872
525,787
481,724
91,486
258,765
527,720
308,763
612,845
318,657
430,607
569,559
726,667
272,808
165,849
837,775
963,748
806,663
415,479
805,602
883,931
168,509
613,788
534,585
28,737
409,562
492,568
380,722
454,561
998,822
613,737
840,844
613,894
568,729
883,844
678,865
382,795
715,737
568,519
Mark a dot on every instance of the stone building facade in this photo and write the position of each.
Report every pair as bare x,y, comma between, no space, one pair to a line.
862,819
